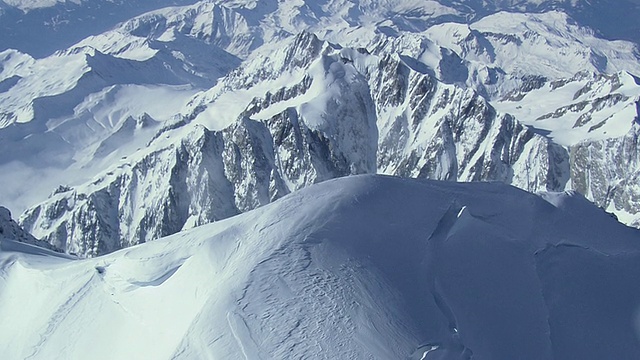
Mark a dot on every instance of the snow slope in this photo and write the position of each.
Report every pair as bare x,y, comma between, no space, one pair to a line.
363,267
587,106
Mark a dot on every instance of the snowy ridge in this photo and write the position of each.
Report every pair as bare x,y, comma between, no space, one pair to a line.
587,106
36,4
394,268
505,50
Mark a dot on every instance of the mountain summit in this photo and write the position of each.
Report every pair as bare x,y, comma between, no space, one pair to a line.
363,267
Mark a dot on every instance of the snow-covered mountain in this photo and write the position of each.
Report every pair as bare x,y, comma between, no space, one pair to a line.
363,267
190,114
67,21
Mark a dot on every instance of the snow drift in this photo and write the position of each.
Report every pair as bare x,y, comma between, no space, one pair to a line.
363,267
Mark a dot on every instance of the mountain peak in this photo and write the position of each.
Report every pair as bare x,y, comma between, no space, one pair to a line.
396,268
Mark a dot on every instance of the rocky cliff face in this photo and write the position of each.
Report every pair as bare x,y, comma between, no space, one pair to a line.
441,131
9,229
156,196
608,173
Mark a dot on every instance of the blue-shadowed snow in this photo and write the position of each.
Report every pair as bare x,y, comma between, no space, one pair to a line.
364,267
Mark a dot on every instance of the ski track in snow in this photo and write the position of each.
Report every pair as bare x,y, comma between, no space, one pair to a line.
242,335
60,314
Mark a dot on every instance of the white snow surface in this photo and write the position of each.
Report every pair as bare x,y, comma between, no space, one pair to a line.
364,267
583,107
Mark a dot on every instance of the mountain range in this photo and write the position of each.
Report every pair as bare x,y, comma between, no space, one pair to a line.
332,179
188,114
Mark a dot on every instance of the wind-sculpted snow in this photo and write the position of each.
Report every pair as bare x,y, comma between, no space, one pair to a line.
363,267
